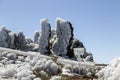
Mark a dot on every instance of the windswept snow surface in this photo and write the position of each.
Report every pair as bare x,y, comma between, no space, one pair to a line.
111,72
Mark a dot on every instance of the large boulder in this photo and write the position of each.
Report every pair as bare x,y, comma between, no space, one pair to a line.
44,45
64,38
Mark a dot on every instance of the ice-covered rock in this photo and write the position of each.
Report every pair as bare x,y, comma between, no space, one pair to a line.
77,44
36,36
64,33
8,71
44,45
23,74
11,40
54,68
111,72
28,40
89,57
11,56
21,58
21,40
3,37
53,32
56,78
48,63
40,65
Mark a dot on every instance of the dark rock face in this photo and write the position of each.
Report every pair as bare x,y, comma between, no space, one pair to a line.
77,44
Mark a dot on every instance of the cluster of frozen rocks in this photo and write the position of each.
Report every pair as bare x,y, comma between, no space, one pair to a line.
59,41
20,67
12,40
14,66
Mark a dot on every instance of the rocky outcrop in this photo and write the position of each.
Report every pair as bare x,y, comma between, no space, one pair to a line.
36,37
21,40
3,37
44,45
28,40
64,34
58,41
11,39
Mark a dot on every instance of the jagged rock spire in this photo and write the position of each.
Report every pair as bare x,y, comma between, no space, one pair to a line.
64,36
45,36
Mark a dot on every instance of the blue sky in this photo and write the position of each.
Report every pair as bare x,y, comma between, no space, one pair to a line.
96,22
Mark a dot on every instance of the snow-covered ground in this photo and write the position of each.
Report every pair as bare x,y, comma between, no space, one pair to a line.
19,65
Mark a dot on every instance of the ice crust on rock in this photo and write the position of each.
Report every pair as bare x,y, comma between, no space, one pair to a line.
3,37
11,40
28,40
36,36
45,37
64,33
21,40
111,72
8,71
58,41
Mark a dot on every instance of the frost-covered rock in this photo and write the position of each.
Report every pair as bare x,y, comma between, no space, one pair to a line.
48,63
89,57
24,74
54,68
28,40
21,58
21,40
28,58
11,40
56,78
36,37
77,44
11,56
44,44
3,37
8,71
64,33
40,65
53,32
111,72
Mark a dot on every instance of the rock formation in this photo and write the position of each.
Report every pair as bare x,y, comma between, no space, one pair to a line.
11,42
36,37
64,36
44,45
21,40
28,40
3,37
58,41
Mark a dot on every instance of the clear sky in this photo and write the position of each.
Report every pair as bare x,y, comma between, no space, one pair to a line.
96,22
